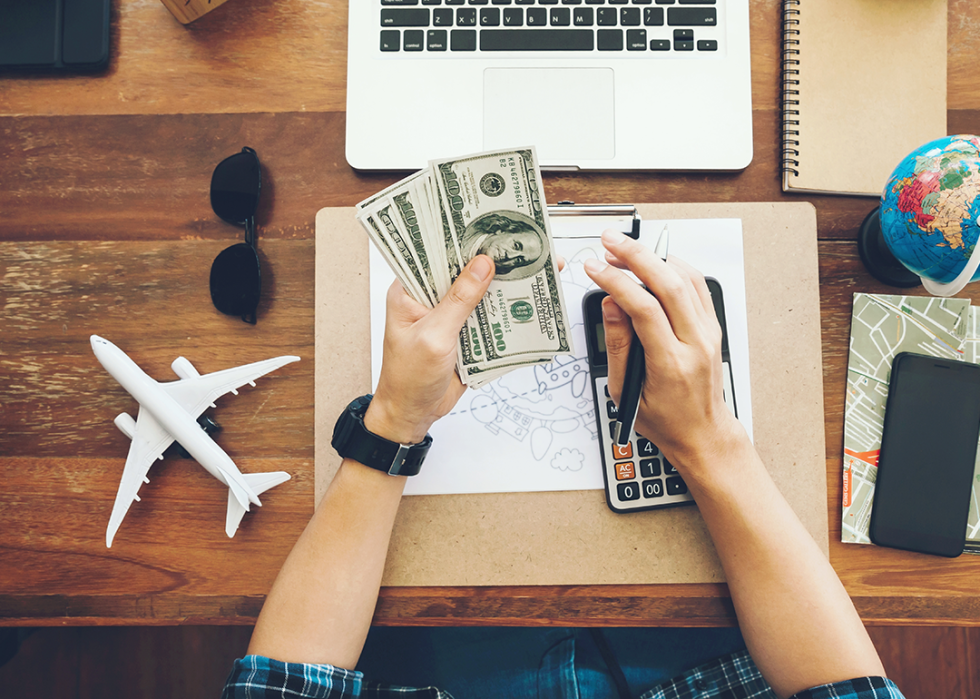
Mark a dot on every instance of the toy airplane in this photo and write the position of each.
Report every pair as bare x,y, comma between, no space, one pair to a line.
169,412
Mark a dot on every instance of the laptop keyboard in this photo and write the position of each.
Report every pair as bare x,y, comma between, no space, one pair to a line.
650,26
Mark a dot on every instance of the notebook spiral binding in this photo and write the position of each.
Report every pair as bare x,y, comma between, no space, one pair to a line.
791,82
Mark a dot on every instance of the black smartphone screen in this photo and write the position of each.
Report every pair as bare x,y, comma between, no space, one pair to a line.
928,453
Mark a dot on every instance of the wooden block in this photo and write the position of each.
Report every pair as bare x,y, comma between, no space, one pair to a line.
186,11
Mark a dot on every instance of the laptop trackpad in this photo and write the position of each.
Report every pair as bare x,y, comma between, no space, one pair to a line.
567,114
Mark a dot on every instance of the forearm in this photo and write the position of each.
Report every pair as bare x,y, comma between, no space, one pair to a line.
321,604
796,617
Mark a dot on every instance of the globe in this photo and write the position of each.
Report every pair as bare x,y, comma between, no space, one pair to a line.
930,210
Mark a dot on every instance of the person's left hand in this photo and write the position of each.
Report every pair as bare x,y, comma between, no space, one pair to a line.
418,384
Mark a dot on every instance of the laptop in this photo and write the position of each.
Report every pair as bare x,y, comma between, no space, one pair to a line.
592,84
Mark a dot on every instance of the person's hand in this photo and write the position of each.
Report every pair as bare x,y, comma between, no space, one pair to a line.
418,384
682,409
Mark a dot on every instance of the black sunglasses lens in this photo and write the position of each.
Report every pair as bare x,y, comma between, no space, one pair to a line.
235,281
235,187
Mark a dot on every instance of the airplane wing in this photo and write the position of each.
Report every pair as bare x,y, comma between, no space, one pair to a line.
149,441
197,393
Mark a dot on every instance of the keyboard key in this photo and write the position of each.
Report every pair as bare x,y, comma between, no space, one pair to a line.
513,17
683,35
628,491
399,2
595,2
697,2
443,17
642,2
405,18
669,468
583,18
649,467
612,412
431,2
462,40
466,17
500,2
413,39
455,2
523,2
644,447
625,471
659,45
629,16
665,2
636,39
606,16
490,17
561,17
609,39
653,489
435,40
536,39
653,16
547,2
478,2
692,17
390,39
536,17
622,452
676,486
707,45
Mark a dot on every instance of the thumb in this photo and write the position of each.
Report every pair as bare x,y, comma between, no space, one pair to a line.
470,286
619,336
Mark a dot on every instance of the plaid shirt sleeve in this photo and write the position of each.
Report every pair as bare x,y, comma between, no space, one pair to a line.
258,677
735,676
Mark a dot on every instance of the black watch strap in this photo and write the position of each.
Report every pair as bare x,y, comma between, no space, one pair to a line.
352,440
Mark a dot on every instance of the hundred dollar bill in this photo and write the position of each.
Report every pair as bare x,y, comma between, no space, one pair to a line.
494,206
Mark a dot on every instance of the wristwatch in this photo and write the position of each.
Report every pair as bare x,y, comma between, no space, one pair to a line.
352,440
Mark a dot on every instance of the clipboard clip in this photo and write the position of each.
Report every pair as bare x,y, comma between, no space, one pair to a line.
570,208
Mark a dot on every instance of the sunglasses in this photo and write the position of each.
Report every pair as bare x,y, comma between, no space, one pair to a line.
235,277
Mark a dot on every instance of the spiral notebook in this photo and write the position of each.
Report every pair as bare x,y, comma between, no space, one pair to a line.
864,84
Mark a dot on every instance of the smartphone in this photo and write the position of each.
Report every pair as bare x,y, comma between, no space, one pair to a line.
637,476
928,452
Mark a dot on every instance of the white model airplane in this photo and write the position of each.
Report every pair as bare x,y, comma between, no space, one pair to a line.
168,412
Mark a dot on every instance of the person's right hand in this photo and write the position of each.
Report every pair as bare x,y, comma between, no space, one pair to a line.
682,409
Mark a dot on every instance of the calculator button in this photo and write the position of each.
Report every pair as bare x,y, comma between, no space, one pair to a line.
622,452
606,390
628,491
612,412
676,486
652,489
644,447
612,430
669,468
625,471
649,467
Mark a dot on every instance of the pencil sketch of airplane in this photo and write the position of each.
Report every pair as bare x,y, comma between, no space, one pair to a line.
168,412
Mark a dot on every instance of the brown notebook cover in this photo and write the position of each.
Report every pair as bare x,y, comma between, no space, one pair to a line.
864,84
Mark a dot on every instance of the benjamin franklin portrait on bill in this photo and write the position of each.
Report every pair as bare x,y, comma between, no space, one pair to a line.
516,243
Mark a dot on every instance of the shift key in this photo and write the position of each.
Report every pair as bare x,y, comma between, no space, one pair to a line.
691,16
415,17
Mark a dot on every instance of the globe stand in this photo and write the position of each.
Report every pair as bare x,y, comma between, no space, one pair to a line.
878,259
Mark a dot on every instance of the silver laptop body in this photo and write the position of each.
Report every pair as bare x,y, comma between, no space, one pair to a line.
593,84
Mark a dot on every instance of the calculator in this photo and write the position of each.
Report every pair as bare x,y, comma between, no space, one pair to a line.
638,476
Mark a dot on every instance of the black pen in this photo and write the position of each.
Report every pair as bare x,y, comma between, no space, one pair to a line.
636,368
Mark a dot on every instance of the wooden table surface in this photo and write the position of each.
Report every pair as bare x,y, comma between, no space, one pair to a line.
106,227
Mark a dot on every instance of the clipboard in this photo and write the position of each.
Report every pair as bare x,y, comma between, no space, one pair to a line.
571,538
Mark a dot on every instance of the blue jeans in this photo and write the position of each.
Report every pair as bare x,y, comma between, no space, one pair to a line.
535,663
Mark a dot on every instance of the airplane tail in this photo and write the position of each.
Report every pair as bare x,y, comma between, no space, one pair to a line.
259,483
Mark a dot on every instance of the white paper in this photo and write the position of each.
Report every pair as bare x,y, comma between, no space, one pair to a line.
535,429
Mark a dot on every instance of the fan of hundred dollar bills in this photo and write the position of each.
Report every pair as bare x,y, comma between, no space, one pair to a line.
432,223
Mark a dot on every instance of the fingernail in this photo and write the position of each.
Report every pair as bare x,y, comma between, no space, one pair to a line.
481,268
612,237
612,312
593,266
